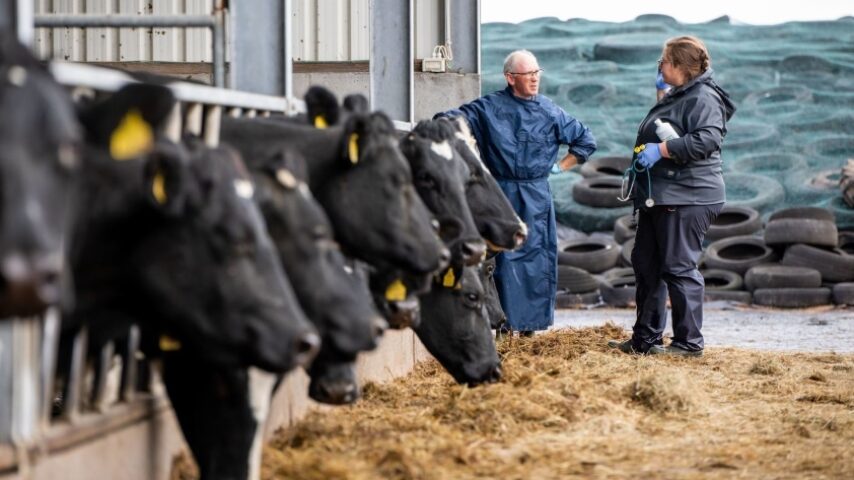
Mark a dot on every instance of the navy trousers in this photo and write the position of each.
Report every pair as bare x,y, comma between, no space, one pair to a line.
668,245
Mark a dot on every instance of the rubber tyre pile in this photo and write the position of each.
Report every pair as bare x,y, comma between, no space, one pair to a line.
799,259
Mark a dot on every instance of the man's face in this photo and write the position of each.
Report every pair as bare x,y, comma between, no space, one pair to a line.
523,82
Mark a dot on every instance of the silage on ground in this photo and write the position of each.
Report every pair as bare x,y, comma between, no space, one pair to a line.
570,407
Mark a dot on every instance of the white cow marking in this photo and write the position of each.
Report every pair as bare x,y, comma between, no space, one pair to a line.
260,395
443,149
17,75
244,188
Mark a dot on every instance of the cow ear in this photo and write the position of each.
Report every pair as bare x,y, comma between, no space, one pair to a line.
355,133
322,107
165,178
356,103
127,122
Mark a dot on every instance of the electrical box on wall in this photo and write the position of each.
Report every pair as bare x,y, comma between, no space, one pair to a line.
439,61
435,65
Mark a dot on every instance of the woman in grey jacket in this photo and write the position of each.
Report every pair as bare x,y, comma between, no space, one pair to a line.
684,194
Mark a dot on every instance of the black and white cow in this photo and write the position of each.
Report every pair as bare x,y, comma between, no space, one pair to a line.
496,220
39,138
334,298
455,327
361,179
168,236
496,314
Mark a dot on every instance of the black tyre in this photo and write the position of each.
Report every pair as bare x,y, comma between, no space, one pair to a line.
754,191
626,253
774,165
843,293
581,217
736,296
625,227
781,276
569,300
619,272
788,231
812,186
619,292
599,192
594,255
815,213
738,254
792,297
833,264
722,280
605,166
732,222
575,280
846,242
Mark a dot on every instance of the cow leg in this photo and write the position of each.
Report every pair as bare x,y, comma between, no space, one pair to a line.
213,409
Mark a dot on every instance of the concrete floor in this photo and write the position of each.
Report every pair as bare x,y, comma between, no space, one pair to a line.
823,329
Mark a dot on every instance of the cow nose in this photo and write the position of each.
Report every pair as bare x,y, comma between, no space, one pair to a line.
520,236
337,393
29,286
379,325
473,252
404,314
494,374
306,348
444,258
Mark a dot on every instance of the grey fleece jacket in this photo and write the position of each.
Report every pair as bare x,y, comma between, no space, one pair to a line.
698,111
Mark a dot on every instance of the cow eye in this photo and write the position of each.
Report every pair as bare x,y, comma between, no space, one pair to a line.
425,180
472,299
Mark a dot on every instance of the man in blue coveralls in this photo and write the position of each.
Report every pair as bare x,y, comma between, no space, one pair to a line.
519,132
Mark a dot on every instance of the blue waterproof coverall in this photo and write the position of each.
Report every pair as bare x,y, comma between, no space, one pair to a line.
519,141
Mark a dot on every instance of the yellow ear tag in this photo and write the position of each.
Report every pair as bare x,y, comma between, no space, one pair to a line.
158,188
131,137
353,148
320,122
449,279
169,344
396,292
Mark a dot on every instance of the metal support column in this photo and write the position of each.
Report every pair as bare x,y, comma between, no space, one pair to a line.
392,59
258,46
465,28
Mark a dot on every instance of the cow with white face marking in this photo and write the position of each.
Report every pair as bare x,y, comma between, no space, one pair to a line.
359,176
496,220
39,138
169,237
335,299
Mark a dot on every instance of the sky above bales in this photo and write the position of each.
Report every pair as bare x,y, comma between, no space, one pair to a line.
754,12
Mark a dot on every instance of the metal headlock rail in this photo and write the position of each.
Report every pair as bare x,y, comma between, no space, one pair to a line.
214,22
28,347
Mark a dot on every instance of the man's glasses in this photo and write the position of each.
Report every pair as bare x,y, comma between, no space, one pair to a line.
532,74
660,61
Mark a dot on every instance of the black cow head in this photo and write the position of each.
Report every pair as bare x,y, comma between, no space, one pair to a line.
359,176
496,314
372,203
39,138
496,220
396,295
440,177
169,235
334,299
333,379
455,327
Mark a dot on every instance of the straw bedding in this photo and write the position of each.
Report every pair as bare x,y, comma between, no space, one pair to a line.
570,407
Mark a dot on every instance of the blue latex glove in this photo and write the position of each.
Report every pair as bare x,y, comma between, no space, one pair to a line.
650,154
659,82
556,168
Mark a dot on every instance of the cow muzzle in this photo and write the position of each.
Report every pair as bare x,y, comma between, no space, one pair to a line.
28,287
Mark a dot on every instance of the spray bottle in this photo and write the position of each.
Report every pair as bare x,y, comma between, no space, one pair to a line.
665,131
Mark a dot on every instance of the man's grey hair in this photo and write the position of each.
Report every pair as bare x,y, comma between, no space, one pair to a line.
510,61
